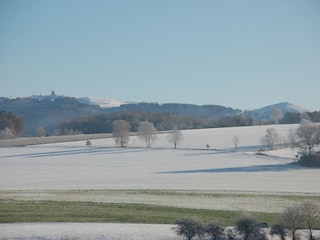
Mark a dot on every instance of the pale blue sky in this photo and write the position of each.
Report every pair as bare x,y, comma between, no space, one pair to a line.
242,54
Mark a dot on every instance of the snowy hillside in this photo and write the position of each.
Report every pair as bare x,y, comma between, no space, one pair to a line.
282,108
103,102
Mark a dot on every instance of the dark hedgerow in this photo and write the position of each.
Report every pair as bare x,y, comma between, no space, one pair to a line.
310,160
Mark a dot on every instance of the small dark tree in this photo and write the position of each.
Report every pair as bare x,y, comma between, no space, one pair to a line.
188,228
214,230
278,230
248,227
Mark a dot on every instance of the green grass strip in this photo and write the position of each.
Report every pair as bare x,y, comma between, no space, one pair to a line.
63,211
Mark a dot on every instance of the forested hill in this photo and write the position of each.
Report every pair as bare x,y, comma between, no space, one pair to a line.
51,111
47,112
55,112
182,109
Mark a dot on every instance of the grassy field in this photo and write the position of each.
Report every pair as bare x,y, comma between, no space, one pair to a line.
122,206
57,211
211,200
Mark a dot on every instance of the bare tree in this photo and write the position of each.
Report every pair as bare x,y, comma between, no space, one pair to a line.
175,137
276,114
147,133
292,142
188,228
309,135
41,132
292,219
311,213
121,132
271,138
292,138
235,141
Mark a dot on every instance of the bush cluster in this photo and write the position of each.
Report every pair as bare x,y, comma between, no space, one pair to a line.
246,226
162,122
10,125
303,216
193,227
310,160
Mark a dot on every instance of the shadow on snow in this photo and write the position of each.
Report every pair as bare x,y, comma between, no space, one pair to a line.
254,168
96,150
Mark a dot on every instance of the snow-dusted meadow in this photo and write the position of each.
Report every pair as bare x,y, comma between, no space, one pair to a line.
191,167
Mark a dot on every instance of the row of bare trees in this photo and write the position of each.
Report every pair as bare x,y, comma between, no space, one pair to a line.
306,136
303,216
146,133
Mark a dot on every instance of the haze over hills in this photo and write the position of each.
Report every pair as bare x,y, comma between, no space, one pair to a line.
51,110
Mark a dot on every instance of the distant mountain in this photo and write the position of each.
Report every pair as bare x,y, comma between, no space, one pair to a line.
266,113
51,110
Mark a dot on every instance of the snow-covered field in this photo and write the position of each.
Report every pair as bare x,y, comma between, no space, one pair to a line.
86,231
72,165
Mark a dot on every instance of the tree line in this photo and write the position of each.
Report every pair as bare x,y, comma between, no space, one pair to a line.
303,216
306,138
161,121
146,132
292,118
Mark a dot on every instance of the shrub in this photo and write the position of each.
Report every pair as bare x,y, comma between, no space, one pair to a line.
310,160
188,228
278,230
248,227
7,134
214,230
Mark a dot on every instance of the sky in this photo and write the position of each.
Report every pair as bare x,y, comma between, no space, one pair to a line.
241,54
